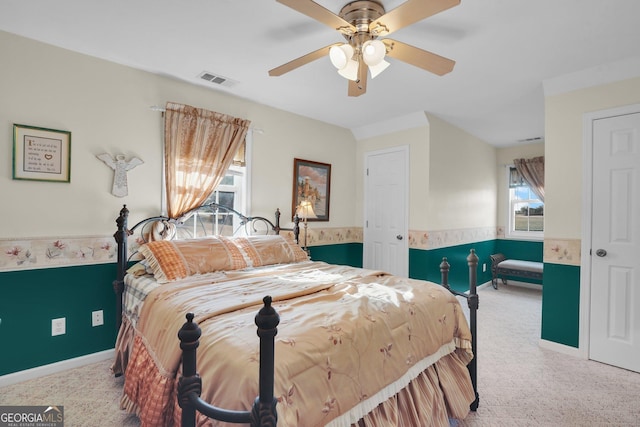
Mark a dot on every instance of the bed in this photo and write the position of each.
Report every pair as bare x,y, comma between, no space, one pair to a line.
353,347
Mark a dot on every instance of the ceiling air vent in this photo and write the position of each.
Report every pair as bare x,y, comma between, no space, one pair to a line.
217,79
534,139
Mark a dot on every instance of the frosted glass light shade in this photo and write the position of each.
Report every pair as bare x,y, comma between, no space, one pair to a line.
373,52
378,68
340,55
350,71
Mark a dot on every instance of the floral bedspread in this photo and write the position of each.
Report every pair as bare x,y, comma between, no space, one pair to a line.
349,339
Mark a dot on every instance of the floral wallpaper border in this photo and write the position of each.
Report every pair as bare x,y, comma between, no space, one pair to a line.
25,254
562,251
317,236
444,238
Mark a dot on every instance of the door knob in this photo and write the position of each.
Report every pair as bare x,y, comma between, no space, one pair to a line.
601,252
399,237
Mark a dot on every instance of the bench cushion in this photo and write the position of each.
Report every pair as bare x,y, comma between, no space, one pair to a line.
514,264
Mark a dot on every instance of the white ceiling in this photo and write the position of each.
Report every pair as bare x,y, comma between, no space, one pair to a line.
504,51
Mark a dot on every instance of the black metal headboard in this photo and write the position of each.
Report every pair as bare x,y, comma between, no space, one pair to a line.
206,220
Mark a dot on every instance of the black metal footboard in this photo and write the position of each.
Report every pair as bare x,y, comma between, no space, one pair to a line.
263,413
472,302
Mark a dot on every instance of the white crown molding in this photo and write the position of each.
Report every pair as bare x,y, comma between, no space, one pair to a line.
395,124
603,74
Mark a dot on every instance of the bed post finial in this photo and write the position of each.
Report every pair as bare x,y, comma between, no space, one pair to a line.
444,272
121,240
190,382
277,228
263,412
296,228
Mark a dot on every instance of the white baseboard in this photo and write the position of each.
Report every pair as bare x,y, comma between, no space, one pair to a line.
484,285
520,284
41,371
561,348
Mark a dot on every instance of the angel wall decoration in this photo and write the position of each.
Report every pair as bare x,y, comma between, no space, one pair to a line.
120,167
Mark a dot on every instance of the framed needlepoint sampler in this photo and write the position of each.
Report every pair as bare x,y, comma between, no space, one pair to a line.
41,154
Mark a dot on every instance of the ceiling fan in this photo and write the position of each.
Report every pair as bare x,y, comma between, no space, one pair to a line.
361,23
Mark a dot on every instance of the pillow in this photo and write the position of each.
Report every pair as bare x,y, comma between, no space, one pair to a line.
140,268
174,260
267,250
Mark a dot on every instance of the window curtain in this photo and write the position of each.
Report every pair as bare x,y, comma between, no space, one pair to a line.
532,171
200,145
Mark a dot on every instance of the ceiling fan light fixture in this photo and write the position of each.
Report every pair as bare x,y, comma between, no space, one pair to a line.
340,55
378,68
373,52
350,71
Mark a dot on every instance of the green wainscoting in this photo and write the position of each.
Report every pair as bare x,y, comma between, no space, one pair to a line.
342,254
31,298
525,250
561,304
425,264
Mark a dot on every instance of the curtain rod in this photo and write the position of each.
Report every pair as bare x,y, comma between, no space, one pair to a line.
162,109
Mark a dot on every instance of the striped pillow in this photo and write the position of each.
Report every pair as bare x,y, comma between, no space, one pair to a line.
268,250
174,260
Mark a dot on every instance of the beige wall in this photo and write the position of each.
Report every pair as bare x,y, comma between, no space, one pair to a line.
417,139
505,157
452,176
563,151
106,107
462,179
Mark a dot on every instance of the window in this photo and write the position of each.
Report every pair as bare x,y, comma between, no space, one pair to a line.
526,210
230,193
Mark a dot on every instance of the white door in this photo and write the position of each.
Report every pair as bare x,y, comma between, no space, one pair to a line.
615,237
386,206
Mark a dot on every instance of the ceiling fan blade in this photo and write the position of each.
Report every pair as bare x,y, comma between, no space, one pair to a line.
359,87
319,13
299,62
408,13
420,58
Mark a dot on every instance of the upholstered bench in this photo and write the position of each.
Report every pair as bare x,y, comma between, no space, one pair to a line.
502,267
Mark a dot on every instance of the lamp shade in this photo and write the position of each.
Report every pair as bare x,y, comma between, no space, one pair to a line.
378,68
350,71
305,210
373,52
340,55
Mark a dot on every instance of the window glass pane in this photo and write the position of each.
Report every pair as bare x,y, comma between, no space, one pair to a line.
536,217
226,198
521,217
227,180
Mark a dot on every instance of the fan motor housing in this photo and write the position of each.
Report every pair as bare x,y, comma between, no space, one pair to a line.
361,13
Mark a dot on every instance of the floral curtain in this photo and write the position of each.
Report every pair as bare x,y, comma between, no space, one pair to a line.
532,171
200,145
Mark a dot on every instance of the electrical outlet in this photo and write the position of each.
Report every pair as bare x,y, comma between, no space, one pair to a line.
58,326
97,318
484,267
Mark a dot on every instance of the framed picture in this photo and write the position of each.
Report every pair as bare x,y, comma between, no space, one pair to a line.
311,190
41,154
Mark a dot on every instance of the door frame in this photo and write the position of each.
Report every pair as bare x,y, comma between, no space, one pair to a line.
587,206
404,149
